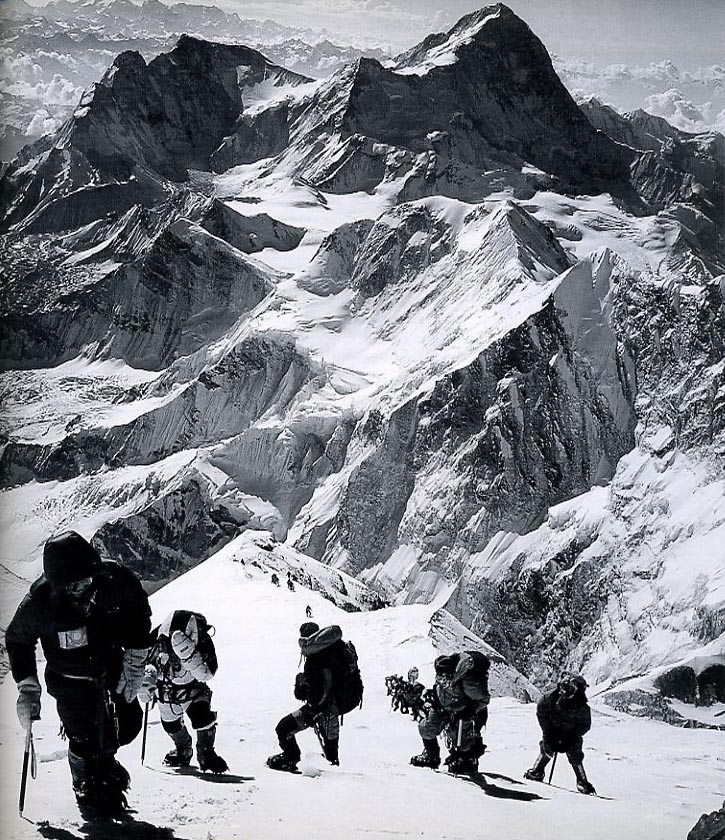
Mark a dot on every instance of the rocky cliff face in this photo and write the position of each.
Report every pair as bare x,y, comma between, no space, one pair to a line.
172,114
236,300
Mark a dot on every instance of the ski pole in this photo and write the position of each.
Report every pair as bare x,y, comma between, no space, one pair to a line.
553,765
28,761
145,728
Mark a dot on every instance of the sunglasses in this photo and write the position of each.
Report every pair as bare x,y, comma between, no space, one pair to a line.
78,587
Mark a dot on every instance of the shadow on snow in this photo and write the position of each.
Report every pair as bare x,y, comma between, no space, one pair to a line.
128,828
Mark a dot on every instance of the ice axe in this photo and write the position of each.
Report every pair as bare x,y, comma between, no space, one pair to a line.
145,729
28,762
553,765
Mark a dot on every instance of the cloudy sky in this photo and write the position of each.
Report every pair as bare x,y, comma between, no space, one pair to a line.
689,32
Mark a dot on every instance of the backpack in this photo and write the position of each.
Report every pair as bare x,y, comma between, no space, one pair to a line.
204,644
348,687
481,664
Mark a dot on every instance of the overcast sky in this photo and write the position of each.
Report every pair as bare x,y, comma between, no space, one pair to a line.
688,32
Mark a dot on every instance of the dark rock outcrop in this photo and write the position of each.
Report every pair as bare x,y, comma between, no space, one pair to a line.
170,115
709,827
172,535
250,233
187,289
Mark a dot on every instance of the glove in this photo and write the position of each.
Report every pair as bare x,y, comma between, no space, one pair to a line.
184,646
28,705
480,718
301,688
148,691
132,673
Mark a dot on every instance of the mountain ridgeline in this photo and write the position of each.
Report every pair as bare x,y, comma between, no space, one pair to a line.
427,320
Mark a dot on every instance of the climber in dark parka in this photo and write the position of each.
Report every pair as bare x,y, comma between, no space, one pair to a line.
330,686
564,717
92,619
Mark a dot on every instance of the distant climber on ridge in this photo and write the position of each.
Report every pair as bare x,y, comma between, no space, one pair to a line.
564,717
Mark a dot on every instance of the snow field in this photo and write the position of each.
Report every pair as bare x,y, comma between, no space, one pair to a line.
660,778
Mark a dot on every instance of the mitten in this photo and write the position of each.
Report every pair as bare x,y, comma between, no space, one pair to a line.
184,646
147,693
132,673
28,705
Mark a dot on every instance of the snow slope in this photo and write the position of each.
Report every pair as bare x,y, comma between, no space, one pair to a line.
660,779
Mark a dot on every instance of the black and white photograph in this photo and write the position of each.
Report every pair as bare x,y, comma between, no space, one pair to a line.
362,420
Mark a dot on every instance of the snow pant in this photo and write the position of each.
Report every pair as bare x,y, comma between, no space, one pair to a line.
438,722
326,724
96,721
573,747
195,701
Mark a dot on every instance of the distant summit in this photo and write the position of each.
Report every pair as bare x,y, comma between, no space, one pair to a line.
465,114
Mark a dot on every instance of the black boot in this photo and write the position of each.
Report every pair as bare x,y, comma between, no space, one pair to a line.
431,755
282,761
80,771
583,785
207,756
330,747
100,784
182,753
536,773
460,761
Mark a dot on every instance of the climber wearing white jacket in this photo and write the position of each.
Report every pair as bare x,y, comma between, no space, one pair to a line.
181,662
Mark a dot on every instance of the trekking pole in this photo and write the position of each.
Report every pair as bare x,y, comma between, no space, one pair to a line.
145,728
553,765
28,761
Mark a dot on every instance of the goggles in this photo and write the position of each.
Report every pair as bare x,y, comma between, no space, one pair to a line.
78,588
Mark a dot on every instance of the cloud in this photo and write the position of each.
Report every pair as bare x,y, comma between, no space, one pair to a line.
57,91
691,100
41,123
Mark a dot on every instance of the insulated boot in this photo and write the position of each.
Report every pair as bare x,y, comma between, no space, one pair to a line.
462,762
206,755
80,772
583,785
536,773
478,748
182,753
330,747
100,785
431,755
282,761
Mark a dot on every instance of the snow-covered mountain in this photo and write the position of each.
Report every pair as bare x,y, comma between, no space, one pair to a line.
49,55
635,764
424,321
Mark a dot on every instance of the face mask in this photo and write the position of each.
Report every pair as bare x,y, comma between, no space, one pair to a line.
80,593
567,690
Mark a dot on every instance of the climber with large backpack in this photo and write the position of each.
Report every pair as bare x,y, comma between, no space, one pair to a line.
330,685
180,663
459,710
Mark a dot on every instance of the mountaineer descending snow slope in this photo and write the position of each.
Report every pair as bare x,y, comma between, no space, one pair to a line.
659,778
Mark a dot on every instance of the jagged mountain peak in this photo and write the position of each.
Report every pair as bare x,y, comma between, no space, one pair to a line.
174,111
491,23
